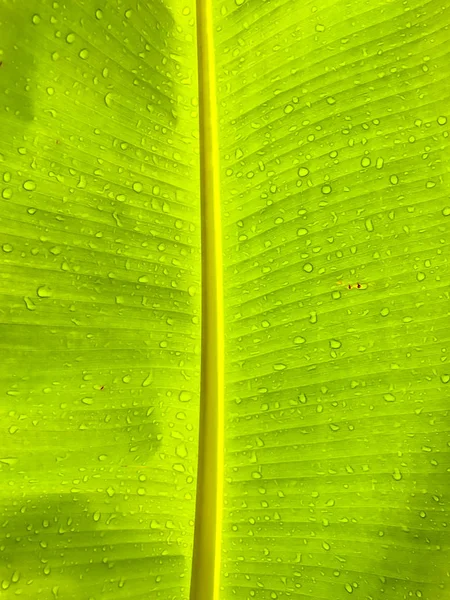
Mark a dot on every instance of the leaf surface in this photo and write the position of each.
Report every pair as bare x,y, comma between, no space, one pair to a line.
299,152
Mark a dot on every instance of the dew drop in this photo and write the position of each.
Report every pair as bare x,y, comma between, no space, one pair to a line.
108,99
43,292
389,397
29,303
148,380
29,185
279,367
393,179
369,225
397,475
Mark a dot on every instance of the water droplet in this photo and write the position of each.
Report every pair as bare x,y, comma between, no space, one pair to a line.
393,179
279,367
288,108
36,19
44,292
349,588
84,54
308,267
97,516
138,187
320,28
7,193
29,303
389,397
98,14
446,211
108,99
445,378
88,401
191,290
299,340
397,475
365,162
420,276
148,380
7,248
335,344
326,189
442,120
185,396
384,312
380,162
29,185
303,172
70,38
181,451
326,546
50,91
331,100
302,231
369,225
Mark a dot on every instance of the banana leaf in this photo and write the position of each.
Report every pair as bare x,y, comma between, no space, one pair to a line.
224,300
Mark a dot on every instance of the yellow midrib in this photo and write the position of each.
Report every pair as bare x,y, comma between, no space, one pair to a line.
208,517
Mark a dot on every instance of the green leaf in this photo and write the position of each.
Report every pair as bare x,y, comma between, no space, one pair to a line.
224,300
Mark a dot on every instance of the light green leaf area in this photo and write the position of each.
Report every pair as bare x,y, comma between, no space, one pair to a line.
334,126
335,193
99,298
